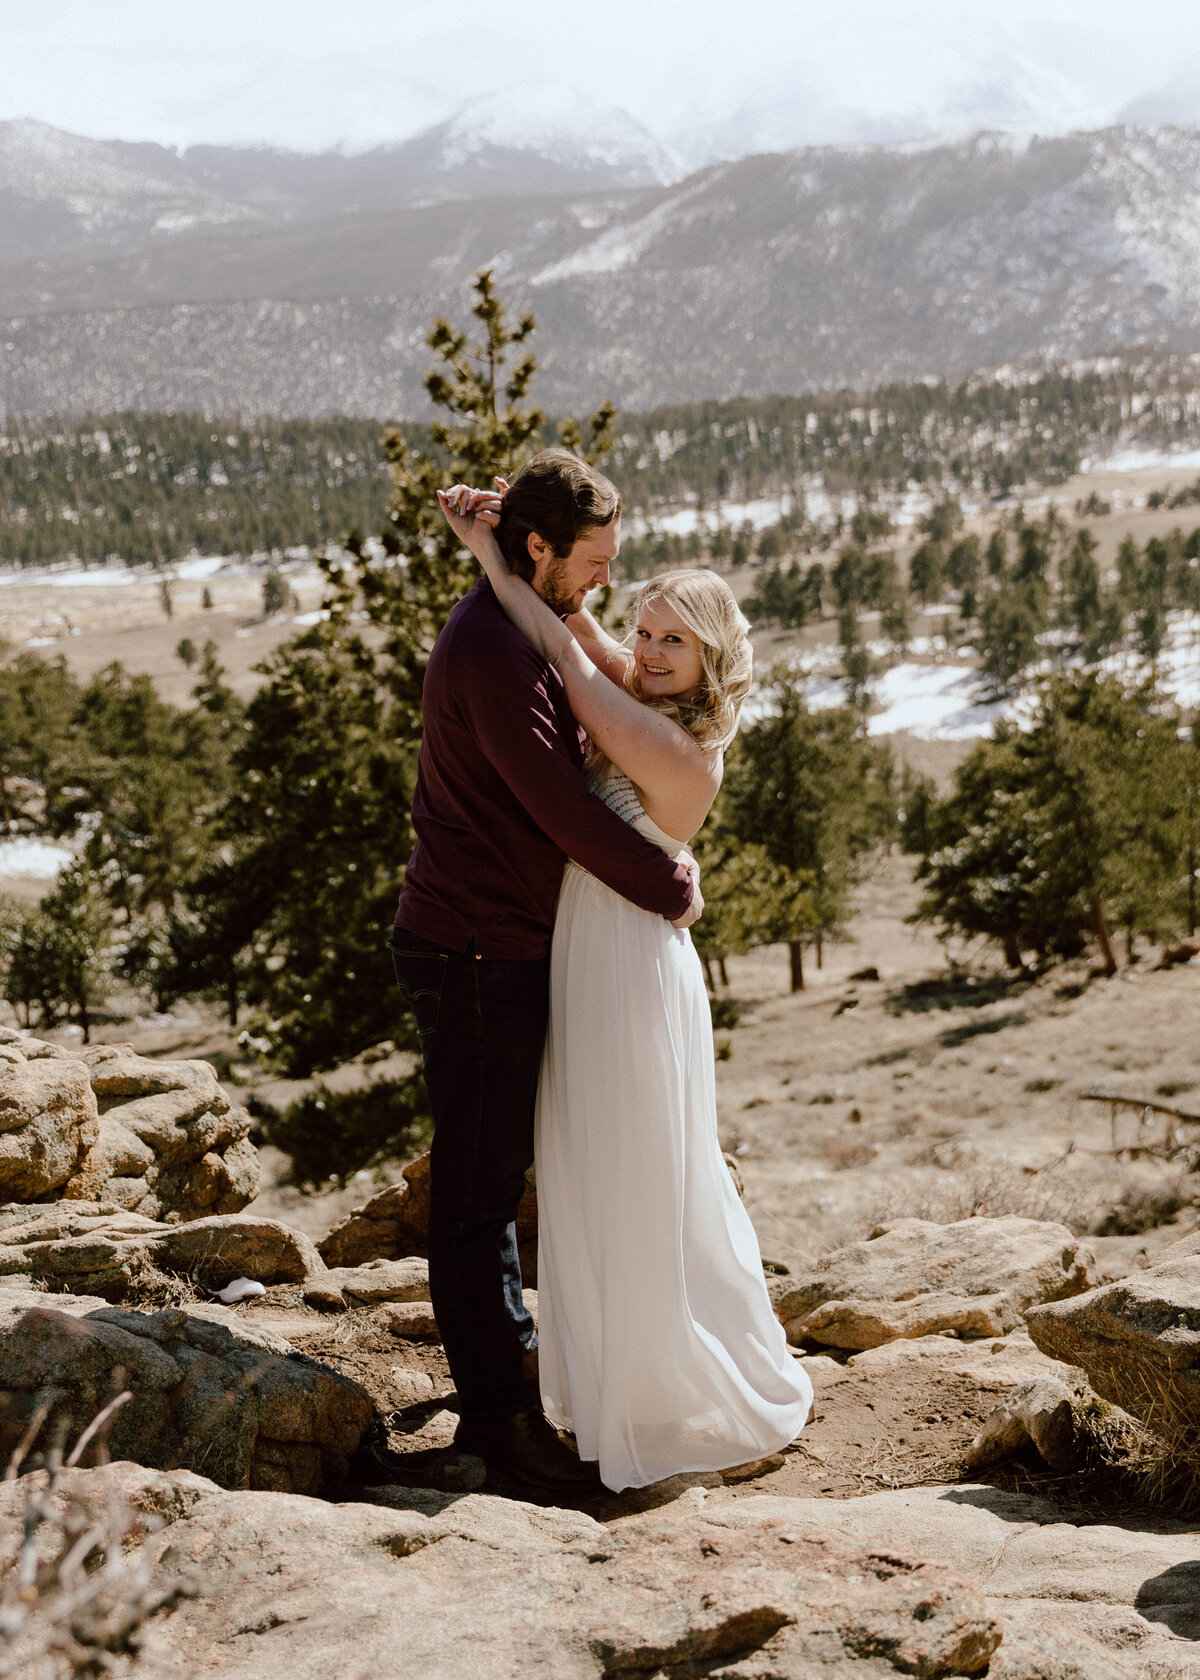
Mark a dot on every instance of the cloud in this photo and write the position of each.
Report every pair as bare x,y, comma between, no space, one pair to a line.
714,74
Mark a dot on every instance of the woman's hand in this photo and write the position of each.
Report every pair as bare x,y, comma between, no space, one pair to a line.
472,514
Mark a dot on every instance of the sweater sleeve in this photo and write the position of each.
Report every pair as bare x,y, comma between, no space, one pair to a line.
506,705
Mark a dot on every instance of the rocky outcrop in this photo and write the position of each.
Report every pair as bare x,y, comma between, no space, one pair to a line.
1138,1340
210,1392
422,1585
157,1138
1086,1602
976,1277
475,1585
96,1248
390,1226
49,1124
395,1224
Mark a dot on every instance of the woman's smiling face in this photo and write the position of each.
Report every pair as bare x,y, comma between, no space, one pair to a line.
667,654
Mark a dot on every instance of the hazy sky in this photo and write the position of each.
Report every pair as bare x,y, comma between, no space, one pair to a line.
701,74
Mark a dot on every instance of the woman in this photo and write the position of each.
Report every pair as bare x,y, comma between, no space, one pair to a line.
658,1345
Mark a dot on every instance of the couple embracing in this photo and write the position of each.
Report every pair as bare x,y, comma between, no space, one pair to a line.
541,943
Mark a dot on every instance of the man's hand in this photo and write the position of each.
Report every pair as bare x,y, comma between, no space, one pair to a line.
693,912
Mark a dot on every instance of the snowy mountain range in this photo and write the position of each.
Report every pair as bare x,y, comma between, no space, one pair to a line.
246,280
62,191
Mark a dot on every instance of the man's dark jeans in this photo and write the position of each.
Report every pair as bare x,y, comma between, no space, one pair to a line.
482,1026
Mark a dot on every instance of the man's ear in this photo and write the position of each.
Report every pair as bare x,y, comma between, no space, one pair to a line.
537,548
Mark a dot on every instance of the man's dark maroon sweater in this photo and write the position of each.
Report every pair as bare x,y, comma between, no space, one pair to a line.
501,803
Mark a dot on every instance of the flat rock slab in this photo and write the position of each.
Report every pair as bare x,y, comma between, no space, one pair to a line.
100,1248
494,1588
156,1497
1137,1339
1135,1591
368,1284
414,1584
976,1277
210,1393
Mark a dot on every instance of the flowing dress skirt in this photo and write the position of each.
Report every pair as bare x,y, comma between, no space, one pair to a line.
659,1346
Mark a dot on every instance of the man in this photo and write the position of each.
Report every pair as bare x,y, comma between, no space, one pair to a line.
500,804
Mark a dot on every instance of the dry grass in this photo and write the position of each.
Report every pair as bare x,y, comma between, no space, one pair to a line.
77,1591
1125,1467
989,1193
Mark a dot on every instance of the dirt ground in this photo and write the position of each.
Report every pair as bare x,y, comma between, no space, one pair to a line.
92,624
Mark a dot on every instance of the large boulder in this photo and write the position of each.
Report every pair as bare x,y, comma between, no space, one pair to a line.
976,1277
157,1138
97,1248
211,1393
49,1124
1138,1340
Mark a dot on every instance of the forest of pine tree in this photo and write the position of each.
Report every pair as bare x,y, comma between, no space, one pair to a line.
151,488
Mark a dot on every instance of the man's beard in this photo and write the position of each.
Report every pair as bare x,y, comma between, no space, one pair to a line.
556,590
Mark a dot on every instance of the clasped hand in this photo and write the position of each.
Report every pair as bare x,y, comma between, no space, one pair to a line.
471,513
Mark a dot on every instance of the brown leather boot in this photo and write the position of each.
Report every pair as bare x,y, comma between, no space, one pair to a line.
525,1446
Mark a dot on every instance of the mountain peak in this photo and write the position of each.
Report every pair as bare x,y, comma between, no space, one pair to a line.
561,130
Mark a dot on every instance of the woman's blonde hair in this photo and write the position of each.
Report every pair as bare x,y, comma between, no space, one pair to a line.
706,605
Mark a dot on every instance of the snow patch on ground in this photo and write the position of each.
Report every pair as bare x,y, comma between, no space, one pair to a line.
732,515
200,566
934,703
74,578
1178,664
34,860
946,702
1137,460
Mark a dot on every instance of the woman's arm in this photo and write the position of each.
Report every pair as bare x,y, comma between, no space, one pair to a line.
654,752
604,651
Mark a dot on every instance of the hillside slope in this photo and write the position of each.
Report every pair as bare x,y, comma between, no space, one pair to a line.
782,272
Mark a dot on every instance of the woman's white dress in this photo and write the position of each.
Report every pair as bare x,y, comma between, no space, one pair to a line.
659,1347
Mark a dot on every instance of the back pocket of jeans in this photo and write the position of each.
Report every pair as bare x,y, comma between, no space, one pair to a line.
421,976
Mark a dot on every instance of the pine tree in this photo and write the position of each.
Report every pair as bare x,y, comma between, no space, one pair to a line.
815,796
748,900
61,954
146,775
1068,829
316,829
1081,583
1010,622
964,563
37,700
927,572
275,595
996,557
